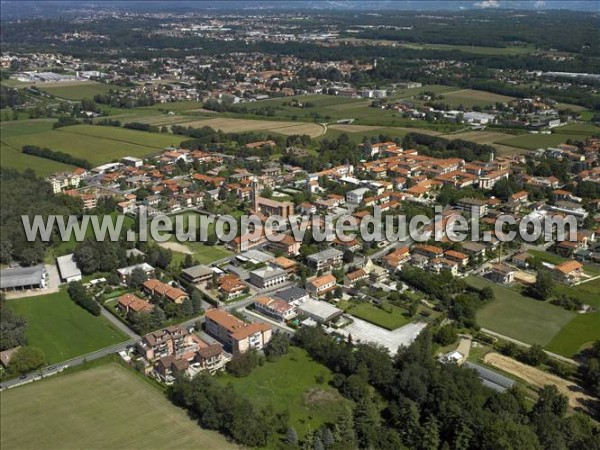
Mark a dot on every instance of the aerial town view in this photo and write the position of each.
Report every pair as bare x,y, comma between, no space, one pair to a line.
317,225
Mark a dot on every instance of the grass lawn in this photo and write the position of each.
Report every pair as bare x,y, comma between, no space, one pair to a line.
579,333
63,330
535,141
519,317
477,50
555,259
290,383
103,407
377,316
94,143
207,254
588,292
78,90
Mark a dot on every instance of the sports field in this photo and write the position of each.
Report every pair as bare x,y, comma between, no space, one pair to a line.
519,317
98,408
578,334
471,97
76,90
94,143
535,141
63,330
290,383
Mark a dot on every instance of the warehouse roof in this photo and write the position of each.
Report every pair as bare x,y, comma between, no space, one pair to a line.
21,276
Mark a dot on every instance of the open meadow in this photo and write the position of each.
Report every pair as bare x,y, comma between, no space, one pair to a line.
292,383
519,317
102,407
62,329
389,317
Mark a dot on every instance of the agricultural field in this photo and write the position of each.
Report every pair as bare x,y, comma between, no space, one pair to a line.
94,143
106,406
63,330
11,157
477,50
471,97
519,317
242,125
76,90
578,334
290,383
535,141
479,137
390,318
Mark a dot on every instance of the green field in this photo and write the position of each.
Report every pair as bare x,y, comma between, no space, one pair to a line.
471,97
94,143
519,317
581,332
102,407
290,383
63,330
555,259
377,316
588,292
477,50
535,141
77,90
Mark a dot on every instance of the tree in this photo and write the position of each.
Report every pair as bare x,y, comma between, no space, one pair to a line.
196,298
27,359
535,355
348,256
138,277
157,317
446,335
328,439
550,400
12,327
543,287
277,346
344,428
267,192
292,436
187,308
430,435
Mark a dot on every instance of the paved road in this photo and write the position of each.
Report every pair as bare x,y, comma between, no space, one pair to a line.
117,323
515,341
57,368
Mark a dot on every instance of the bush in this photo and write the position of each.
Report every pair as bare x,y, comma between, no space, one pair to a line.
242,365
79,295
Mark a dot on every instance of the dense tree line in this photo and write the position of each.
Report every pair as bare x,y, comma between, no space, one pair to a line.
141,127
65,121
427,405
12,327
590,369
65,158
443,148
23,193
218,407
80,296
99,256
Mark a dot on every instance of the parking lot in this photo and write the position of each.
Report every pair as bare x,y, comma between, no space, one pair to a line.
363,331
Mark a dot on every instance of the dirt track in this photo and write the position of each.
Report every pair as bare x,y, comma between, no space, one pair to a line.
577,398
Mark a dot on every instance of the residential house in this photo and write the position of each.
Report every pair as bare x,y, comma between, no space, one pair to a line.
321,285
568,272
235,334
326,259
276,308
160,290
131,303
502,273
268,277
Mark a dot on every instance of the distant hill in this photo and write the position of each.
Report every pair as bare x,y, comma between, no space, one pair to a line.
52,8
